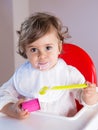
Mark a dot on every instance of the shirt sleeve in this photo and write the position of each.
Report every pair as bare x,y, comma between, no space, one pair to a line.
76,78
8,93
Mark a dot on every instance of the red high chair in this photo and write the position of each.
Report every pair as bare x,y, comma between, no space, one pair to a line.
76,56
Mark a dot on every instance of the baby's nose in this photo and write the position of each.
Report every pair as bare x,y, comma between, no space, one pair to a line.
42,54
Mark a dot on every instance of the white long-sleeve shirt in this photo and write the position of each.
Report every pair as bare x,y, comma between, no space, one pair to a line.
27,82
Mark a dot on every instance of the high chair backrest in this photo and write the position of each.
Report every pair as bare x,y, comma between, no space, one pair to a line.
78,57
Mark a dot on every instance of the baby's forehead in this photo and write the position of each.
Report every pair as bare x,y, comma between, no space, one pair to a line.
46,40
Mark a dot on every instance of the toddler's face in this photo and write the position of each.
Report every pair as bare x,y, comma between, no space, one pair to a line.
43,53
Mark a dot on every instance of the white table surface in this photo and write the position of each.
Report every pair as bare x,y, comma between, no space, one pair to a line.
86,119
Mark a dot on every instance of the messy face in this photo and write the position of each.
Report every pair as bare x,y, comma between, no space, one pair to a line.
43,53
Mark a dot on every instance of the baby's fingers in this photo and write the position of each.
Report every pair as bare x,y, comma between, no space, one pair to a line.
89,84
23,114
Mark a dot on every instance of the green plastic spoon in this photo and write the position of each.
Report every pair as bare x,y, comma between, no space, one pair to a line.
73,86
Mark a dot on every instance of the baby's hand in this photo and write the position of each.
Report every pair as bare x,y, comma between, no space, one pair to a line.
14,110
90,96
17,111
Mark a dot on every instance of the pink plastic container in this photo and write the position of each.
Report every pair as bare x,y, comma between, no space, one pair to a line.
31,105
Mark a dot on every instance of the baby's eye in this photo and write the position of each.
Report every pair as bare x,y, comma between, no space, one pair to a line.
34,50
48,47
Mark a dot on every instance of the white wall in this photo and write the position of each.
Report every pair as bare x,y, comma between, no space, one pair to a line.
6,41
20,12
12,13
81,16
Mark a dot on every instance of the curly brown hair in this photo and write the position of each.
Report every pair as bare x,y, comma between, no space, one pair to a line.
36,26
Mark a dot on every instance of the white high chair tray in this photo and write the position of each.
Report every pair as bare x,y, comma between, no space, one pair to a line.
85,119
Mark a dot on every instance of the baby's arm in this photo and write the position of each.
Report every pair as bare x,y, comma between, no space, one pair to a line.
90,95
9,101
14,110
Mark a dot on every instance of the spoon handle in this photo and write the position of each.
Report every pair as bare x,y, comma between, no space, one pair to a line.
73,86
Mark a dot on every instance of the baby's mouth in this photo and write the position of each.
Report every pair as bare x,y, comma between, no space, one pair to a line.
43,66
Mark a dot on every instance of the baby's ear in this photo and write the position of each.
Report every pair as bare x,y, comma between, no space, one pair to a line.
60,47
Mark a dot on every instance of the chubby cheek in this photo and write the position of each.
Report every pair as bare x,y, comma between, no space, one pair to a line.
56,54
34,62
54,58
